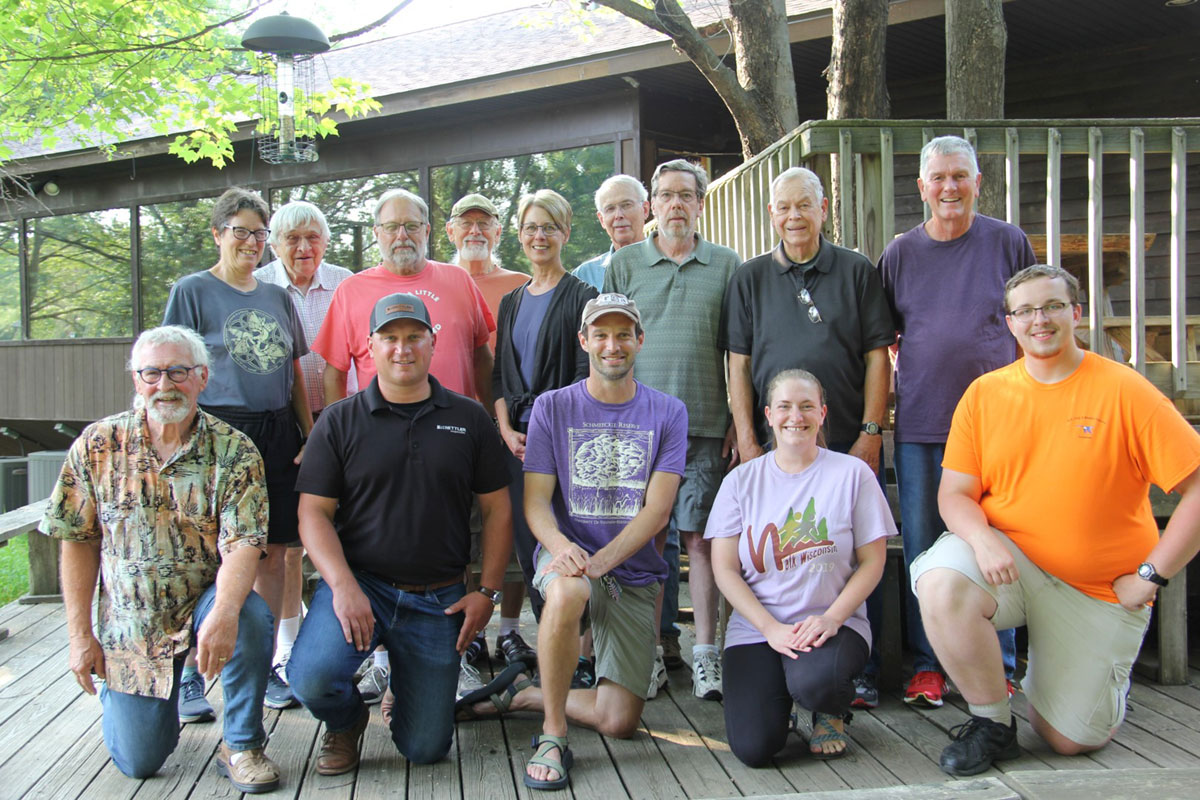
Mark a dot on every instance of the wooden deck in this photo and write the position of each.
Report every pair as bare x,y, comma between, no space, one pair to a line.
50,746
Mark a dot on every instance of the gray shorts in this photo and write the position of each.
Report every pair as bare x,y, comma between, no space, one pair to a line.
702,476
1081,649
622,629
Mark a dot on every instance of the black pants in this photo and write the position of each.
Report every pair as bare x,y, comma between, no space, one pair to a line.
760,686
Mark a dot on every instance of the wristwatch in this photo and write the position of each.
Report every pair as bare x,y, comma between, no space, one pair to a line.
1147,572
491,594
871,428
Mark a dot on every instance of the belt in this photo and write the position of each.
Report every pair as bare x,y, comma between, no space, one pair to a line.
420,587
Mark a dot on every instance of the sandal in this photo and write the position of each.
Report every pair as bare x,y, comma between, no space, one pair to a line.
501,691
824,733
542,745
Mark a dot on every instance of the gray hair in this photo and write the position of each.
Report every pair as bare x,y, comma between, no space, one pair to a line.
1035,271
401,194
293,215
627,181
801,175
170,334
554,204
681,165
948,146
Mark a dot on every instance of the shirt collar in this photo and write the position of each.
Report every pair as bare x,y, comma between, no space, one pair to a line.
375,401
702,252
821,261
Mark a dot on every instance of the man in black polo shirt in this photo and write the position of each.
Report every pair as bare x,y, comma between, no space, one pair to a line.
386,487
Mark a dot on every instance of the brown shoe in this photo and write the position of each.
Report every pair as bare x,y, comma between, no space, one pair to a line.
339,749
249,771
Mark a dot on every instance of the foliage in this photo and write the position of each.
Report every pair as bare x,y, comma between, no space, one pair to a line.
14,569
97,72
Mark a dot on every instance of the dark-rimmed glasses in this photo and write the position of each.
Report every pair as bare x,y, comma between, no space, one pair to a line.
1027,313
242,234
549,229
176,373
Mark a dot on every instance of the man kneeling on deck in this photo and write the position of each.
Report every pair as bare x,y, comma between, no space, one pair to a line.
169,506
1045,491
603,460
385,505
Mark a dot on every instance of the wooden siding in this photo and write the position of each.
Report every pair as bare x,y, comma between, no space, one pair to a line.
64,380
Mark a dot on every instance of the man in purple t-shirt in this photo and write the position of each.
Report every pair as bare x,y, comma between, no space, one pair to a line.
603,460
944,280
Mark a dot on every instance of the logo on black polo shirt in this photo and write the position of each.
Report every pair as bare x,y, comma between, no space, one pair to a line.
459,429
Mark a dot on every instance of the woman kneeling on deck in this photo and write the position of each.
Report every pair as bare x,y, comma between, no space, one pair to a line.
798,544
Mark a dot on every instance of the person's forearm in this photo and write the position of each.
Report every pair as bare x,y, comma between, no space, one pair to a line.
503,423
964,517
1181,539
333,382
300,399
235,578
741,398
871,559
323,546
80,567
634,536
876,382
539,516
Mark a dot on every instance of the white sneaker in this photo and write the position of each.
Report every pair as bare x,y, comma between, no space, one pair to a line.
658,677
468,679
373,684
706,676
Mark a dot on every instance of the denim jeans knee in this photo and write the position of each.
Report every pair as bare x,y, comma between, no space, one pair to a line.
140,732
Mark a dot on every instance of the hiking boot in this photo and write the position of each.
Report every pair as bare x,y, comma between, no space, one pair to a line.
706,676
279,694
865,693
477,651
339,749
925,689
671,656
585,675
468,679
193,707
373,684
249,771
977,743
512,649
658,677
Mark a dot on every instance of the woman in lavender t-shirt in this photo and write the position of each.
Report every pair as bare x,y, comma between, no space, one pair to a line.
798,544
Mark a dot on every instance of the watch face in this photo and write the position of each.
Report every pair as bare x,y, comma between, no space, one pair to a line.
1145,571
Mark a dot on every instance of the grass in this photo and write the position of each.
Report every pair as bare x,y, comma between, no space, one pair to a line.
14,569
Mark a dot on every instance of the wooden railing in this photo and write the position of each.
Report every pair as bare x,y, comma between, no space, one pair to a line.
866,153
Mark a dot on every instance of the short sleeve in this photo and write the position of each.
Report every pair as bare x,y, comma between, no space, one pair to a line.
672,455
1166,448
332,342
491,467
871,518
322,472
181,308
539,440
299,343
242,506
71,510
737,332
961,455
875,316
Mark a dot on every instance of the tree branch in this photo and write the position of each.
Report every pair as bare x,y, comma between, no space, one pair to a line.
337,37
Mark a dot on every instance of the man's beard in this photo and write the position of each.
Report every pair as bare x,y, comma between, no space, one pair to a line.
161,415
405,258
474,251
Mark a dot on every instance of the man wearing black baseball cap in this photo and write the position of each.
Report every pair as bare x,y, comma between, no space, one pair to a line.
386,490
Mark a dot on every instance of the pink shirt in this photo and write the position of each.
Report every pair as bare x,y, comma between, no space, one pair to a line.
460,319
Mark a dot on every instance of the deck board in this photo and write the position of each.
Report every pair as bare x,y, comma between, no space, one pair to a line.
50,745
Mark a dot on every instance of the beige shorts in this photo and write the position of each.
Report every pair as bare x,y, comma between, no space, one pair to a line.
1081,649
702,475
622,629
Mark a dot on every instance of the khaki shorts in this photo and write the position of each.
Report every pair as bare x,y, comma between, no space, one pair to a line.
1081,649
622,629
702,475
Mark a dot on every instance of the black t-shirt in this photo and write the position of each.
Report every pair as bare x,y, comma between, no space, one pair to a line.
404,481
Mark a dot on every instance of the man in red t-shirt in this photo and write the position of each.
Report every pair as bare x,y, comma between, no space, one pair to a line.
1044,489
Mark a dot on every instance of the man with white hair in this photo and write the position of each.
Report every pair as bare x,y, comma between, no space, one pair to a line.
167,506
944,281
474,229
622,206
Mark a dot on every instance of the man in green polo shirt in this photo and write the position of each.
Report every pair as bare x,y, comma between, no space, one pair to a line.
678,280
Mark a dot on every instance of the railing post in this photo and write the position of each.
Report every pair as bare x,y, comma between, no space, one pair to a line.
1179,259
846,181
1095,225
887,180
1053,196
1137,249
1012,176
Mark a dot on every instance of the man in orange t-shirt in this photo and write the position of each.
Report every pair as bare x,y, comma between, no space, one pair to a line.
1045,491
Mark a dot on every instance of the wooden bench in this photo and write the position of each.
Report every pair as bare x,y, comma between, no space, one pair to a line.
43,553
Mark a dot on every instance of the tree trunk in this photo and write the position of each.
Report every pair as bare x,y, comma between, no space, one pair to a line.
764,70
976,39
857,85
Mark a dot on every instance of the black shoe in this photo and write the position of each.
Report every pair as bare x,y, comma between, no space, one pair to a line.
477,651
585,675
672,659
512,649
977,743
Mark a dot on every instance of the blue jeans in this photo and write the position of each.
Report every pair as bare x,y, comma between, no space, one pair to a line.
420,639
140,732
918,473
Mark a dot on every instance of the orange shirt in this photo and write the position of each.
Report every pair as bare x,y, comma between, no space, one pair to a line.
1066,467
493,286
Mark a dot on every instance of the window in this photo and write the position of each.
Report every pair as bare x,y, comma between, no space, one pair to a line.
10,282
176,240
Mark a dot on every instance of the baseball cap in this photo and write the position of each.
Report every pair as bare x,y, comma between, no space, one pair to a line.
399,306
610,302
472,202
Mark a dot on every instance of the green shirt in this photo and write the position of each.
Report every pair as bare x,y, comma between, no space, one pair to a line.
682,307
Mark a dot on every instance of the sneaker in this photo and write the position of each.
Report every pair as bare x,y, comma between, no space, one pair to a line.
1013,688
339,749
468,679
925,689
658,677
585,675
193,707
706,676
671,655
249,771
512,649
977,743
279,694
373,684
865,693
477,650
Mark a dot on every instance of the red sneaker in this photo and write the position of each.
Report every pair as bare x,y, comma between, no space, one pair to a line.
1012,687
925,689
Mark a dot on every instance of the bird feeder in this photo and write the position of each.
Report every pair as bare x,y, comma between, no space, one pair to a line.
285,133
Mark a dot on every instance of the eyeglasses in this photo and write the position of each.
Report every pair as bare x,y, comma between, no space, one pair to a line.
313,239
666,196
804,297
1027,313
625,207
466,225
177,373
242,234
529,229
392,228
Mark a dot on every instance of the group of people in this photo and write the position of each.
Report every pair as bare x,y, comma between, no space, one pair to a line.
569,433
